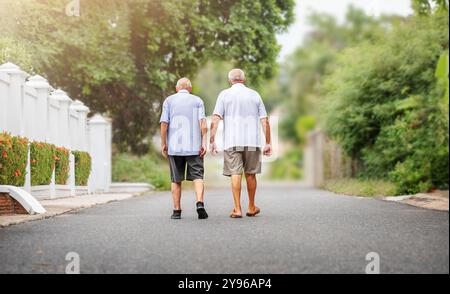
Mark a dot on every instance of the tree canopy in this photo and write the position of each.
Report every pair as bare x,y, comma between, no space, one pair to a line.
123,57
300,78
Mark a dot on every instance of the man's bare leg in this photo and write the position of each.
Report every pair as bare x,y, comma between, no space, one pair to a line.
176,196
199,190
251,189
236,182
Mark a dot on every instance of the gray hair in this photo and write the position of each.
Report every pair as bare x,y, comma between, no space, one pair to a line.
236,75
184,83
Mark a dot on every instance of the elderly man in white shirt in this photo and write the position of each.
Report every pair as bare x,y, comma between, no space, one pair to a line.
242,110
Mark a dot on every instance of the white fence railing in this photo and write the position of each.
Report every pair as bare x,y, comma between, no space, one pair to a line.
31,108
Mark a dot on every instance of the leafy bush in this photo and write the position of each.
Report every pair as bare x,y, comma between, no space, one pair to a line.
146,169
288,166
304,125
82,167
13,160
13,51
42,162
384,105
61,165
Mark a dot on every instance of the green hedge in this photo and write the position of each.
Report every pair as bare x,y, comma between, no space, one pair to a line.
82,167
44,158
61,165
42,163
13,160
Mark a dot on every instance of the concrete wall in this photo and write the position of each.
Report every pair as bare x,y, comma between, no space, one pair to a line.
325,160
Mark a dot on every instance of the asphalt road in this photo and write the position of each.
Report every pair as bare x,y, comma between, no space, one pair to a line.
300,230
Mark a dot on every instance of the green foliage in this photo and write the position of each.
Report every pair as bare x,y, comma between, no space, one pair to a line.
123,57
425,7
13,160
42,163
210,81
301,76
361,187
442,74
304,125
383,105
145,169
15,52
61,165
82,167
287,167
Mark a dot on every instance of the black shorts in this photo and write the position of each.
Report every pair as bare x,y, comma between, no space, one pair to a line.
195,168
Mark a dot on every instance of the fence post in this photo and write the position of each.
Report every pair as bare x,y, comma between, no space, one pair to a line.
43,90
79,144
63,118
14,120
27,186
314,159
99,138
82,111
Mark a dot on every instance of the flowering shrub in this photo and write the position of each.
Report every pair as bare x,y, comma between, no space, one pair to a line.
82,167
42,162
13,160
44,158
61,165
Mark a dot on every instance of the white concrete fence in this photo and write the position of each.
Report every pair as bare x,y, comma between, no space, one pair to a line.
31,108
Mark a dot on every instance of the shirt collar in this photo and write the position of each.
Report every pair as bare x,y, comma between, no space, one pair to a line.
238,85
183,91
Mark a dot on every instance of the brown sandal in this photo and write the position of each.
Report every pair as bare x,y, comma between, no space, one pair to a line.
257,211
235,215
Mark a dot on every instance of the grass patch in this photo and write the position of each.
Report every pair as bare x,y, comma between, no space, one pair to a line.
287,167
143,169
358,187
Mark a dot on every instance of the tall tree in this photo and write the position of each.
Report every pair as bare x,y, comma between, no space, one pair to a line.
302,74
123,57
426,7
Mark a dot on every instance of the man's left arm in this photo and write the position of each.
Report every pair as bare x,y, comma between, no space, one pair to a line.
203,128
267,151
204,131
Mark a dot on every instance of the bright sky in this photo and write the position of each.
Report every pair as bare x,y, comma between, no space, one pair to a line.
338,8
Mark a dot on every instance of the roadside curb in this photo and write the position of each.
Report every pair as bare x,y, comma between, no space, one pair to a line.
62,206
433,201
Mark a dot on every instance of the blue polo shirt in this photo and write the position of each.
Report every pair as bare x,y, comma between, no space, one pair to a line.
183,112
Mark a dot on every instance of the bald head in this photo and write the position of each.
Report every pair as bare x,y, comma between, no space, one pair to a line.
236,76
184,84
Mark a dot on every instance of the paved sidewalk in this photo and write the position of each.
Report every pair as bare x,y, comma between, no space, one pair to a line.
59,206
436,201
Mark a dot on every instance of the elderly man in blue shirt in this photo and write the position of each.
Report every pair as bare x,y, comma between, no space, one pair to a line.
183,141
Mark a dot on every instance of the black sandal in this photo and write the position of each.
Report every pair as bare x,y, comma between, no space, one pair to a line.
201,211
176,214
257,211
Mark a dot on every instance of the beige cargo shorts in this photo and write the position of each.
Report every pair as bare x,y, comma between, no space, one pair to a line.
238,160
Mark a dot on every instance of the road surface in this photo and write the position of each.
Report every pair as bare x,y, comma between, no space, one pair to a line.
300,230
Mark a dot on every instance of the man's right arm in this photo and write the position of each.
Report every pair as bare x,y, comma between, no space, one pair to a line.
164,148
164,121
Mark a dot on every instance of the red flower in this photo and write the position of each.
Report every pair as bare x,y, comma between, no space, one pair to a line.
4,154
